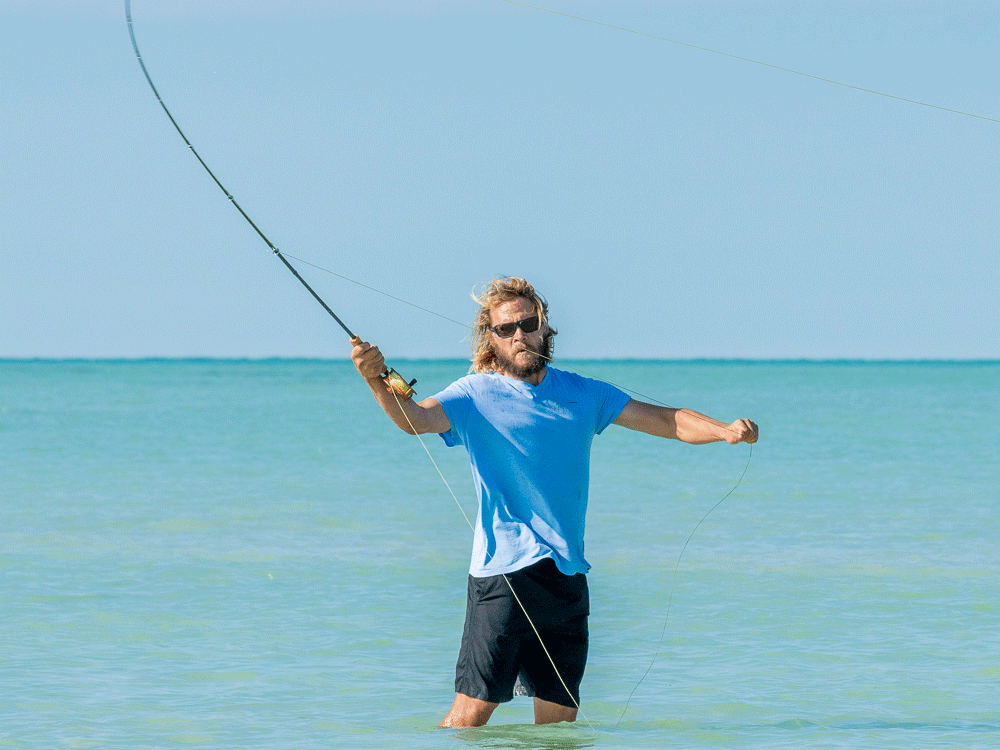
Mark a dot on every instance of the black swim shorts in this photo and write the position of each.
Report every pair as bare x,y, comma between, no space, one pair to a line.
499,646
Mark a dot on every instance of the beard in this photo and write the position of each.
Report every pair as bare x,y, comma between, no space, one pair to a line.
538,360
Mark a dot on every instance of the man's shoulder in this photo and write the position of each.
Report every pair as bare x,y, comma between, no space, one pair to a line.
568,379
471,384
590,389
476,379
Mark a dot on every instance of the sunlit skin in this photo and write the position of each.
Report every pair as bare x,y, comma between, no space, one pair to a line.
516,358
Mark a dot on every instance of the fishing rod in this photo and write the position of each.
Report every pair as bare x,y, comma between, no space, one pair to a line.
393,380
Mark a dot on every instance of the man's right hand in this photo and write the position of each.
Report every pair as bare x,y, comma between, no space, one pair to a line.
414,418
367,359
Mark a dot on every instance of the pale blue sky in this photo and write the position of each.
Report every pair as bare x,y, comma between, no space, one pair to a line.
667,201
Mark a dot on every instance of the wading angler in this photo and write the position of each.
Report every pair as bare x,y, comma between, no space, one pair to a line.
528,429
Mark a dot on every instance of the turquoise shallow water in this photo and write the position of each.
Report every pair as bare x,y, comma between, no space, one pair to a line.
248,555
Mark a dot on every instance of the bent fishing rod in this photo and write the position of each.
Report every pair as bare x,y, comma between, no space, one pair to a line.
393,380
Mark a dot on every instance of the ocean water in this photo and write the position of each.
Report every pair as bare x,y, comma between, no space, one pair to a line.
247,554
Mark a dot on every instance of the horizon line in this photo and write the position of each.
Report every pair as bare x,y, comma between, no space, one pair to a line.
721,359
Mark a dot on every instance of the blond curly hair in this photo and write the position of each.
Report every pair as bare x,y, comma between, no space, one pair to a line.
497,292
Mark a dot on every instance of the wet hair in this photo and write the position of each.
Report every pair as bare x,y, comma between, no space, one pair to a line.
497,292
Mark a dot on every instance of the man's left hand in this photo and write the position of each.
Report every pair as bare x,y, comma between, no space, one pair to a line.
742,431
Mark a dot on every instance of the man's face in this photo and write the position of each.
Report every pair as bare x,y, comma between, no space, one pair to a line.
518,356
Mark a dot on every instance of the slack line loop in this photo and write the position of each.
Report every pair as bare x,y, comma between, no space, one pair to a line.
673,582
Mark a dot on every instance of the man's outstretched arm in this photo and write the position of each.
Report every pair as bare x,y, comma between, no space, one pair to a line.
411,417
684,425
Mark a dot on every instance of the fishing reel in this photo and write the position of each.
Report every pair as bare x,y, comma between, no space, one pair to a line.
397,384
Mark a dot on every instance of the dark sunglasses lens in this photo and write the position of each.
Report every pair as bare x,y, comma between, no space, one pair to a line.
506,330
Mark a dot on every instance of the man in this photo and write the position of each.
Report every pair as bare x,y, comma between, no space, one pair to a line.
528,428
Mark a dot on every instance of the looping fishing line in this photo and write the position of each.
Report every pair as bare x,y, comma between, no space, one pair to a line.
673,582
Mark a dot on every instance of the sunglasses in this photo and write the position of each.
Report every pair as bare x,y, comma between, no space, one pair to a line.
506,330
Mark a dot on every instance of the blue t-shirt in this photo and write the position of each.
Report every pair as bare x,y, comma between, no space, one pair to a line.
530,452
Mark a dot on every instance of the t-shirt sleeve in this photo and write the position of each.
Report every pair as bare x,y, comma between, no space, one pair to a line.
611,401
455,401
